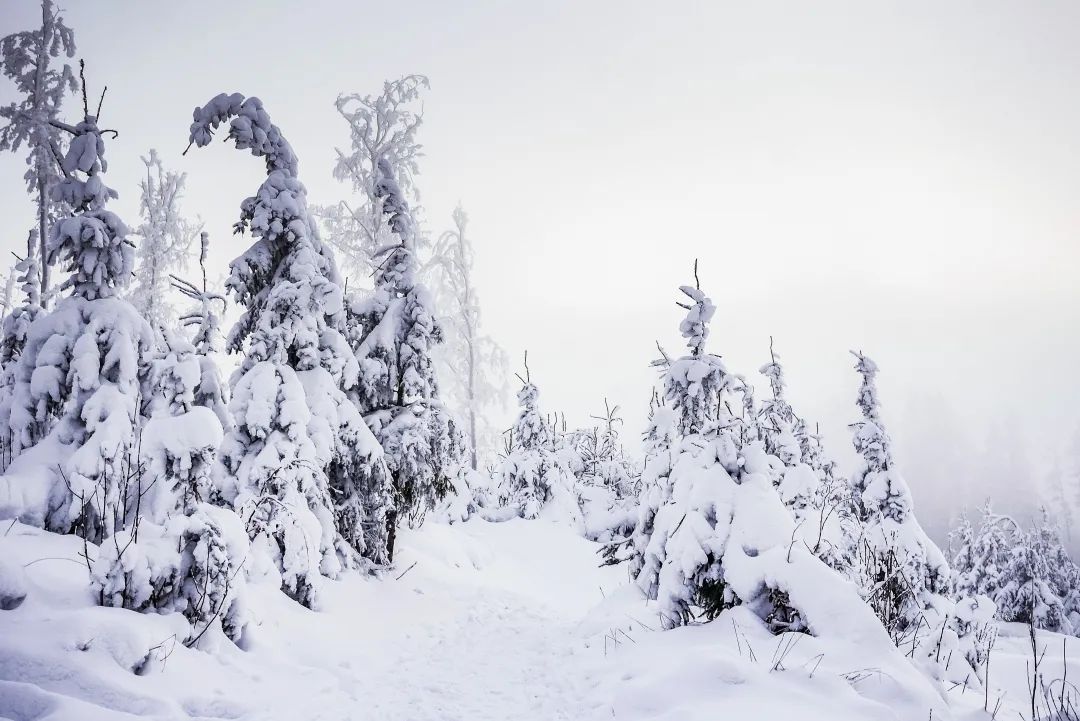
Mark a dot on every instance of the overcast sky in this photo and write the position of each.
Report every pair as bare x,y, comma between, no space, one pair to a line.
900,178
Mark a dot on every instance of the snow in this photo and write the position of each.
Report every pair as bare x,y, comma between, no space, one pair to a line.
477,621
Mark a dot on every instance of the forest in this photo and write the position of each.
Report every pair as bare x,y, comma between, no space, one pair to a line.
283,488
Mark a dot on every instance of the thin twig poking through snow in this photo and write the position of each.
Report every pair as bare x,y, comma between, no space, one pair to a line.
406,571
788,642
50,558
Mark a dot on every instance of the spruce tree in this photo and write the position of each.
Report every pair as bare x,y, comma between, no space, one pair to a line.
533,479
80,375
395,330
804,478
304,463
907,575
16,326
205,319
719,522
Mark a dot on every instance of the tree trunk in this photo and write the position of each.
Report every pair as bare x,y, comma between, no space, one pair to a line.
391,535
43,211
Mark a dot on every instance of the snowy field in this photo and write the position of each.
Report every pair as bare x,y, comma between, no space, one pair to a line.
478,621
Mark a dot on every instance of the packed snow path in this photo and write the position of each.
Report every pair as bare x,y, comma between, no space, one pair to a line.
484,625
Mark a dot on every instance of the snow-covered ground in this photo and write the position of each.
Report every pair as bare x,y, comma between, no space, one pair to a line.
480,621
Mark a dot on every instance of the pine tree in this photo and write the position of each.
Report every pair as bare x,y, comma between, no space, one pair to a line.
16,326
175,555
806,481
776,417
1027,594
532,478
796,481
205,318
992,549
471,366
712,494
28,60
604,459
963,559
907,575
27,272
607,482
80,375
654,487
166,240
305,465
394,331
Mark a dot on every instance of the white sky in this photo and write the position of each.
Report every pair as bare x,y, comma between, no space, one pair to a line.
896,177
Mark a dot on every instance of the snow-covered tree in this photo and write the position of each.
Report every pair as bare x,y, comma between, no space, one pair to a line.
381,127
190,565
205,319
532,478
32,59
79,378
181,553
797,482
654,486
471,366
607,480
1038,580
1027,595
906,573
776,417
805,479
8,290
604,460
16,325
394,330
962,555
166,240
1029,575
17,320
719,534
983,558
305,467
181,438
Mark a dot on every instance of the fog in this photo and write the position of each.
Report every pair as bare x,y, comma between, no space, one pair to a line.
899,178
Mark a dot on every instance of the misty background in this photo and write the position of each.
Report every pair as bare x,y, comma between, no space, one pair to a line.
899,178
